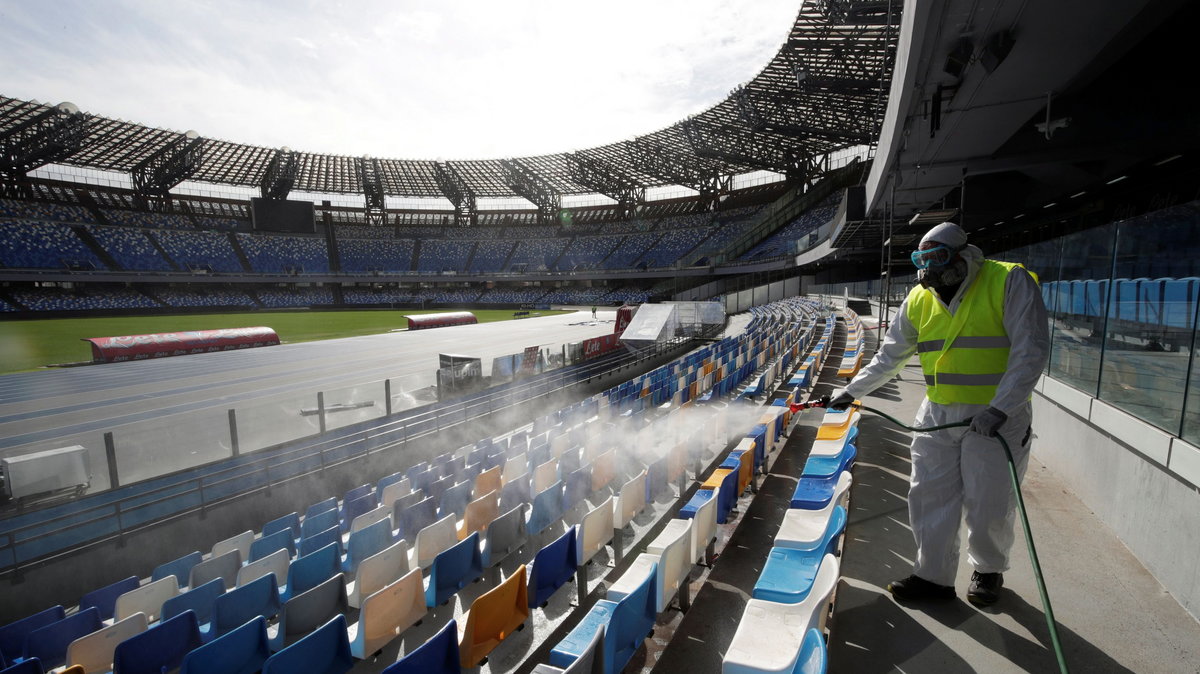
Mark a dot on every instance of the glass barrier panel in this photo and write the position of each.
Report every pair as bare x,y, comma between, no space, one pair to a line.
354,404
92,441
166,444
1081,305
413,390
270,421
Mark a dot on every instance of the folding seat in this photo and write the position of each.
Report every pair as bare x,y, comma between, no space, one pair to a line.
829,466
788,575
148,599
105,598
366,542
354,508
515,492
702,509
742,462
488,481
453,569
309,610
625,624
320,507
394,490
454,500
240,542
545,475
387,481
410,518
49,644
724,482
538,456
199,600
432,540
271,543
514,467
314,542
493,616
160,648
318,522
259,597
504,535
577,486
570,461
324,650
594,531
289,522
552,567
94,652
180,568
590,661
275,563
438,655
308,571
357,493
774,637
438,487
371,517
224,567
814,495
672,552
547,508
631,499
386,613
378,571
603,470
242,650
421,479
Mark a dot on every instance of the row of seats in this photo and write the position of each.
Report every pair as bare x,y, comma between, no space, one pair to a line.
779,243
1152,304
852,357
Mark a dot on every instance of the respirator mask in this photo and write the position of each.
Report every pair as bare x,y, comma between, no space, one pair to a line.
939,266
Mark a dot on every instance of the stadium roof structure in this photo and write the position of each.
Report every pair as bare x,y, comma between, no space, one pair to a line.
825,90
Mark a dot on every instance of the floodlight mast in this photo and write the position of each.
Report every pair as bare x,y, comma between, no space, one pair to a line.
371,176
458,192
682,169
597,174
529,185
51,135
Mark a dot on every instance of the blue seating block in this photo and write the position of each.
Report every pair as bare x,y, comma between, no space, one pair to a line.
626,624
326,650
439,655
259,597
309,571
180,568
160,648
105,598
454,569
553,566
788,574
12,635
547,508
242,650
49,644
279,540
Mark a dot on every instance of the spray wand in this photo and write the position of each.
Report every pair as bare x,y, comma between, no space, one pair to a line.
823,402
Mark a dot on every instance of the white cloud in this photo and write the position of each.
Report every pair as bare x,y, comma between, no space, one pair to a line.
393,79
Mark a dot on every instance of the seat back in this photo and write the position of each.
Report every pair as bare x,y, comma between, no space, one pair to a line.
275,563
547,508
504,534
320,507
160,648
224,567
366,542
603,469
595,530
307,611
240,542
289,522
454,500
415,518
199,600
632,619
105,598
378,571
242,650
515,492
180,568
387,612
324,650
331,536
313,569
94,652
488,481
480,513
433,539
49,644
318,522
705,528
439,486
515,466
494,615
577,486
630,501
394,490
148,599
674,549
357,493
438,655
352,509
545,475
813,654
553,566
370,517
259,597
270,543
453,569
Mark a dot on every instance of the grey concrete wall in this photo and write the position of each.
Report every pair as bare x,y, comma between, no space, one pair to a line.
1153,510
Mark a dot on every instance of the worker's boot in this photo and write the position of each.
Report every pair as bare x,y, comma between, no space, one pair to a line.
985,588
916,588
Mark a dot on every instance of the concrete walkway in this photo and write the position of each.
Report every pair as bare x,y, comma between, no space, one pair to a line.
1113,615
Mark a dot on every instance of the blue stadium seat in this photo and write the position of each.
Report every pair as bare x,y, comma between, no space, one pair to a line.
199,600
515,492
547,508
160,648
318,522
49,644
789,572
552,567
415,518
12,635
439,655
279,540
366,542
325,650
625,623
577,487
356,507
455,499
308,571
259,597
321,506
454,569
180,568
290,522
105,598
306,612
242,650
330,536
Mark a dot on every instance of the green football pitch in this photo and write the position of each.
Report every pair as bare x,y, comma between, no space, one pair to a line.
27,345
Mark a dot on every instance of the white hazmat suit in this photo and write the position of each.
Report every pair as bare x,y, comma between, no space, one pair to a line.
955,470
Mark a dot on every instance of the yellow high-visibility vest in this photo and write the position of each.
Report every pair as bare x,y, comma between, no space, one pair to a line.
963,356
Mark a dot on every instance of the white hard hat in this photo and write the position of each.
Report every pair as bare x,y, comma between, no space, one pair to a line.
947,233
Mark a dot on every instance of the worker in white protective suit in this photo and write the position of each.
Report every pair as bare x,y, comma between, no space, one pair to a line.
980,330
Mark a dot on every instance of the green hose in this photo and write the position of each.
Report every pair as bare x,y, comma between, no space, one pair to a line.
1033,557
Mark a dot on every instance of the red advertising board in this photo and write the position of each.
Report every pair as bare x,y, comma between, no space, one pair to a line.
163,344
425,321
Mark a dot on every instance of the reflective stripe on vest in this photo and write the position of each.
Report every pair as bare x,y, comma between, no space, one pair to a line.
963,356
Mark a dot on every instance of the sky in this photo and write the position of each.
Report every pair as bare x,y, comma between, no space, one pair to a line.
397,79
